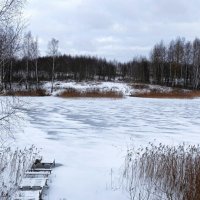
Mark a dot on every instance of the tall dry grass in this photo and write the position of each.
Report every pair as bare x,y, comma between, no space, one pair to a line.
163,172
175,94
27,93
93,93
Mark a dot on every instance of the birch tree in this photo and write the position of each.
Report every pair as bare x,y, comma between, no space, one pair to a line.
187,62
10,19
158,59
53,46
27,53
35,56
196,63
11,26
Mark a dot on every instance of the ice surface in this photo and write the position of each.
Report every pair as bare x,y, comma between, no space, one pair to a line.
89,137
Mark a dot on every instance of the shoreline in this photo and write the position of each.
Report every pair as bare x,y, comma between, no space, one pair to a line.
104,90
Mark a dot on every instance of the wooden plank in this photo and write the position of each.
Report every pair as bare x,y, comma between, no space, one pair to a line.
45,173
33,183
27,195
40,169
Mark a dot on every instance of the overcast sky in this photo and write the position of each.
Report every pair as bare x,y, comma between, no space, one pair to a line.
114,29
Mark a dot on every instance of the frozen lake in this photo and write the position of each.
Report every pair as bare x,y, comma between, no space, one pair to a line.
89,137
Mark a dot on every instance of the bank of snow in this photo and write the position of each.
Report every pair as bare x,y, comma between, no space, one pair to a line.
102,87
127,89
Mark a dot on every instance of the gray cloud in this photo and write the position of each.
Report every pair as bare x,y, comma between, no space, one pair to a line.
115,29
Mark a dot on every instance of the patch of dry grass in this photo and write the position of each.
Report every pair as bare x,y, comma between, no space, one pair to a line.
175,94
95,93
163,172
26,93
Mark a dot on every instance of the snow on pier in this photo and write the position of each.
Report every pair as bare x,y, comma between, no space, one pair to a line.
35,181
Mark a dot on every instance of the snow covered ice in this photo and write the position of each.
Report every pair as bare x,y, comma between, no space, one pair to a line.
89,137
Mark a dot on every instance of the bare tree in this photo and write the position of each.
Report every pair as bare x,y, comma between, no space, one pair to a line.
158,59
187,62
196,63
10,29
27,53
53,46
11,26
171,60
179,59
10,9
13,46
35,55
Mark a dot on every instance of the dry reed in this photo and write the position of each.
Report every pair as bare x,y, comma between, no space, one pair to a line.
39,92
163,172
13,165
175,94
94,93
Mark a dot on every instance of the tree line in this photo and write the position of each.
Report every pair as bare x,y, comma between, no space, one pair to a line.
176,64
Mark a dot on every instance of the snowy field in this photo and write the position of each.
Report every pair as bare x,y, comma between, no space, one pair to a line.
89,137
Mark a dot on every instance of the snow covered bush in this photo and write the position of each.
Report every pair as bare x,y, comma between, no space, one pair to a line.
163,172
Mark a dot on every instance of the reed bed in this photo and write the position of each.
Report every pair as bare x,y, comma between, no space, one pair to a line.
163,172
175,94
27,93
93,93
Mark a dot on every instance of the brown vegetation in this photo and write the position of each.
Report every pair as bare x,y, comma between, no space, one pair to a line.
37,93
164,172
95,93
175,94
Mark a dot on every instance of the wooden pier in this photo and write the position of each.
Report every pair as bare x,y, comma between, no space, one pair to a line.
35,181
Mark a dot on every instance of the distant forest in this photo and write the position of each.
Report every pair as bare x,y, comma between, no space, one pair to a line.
176,64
